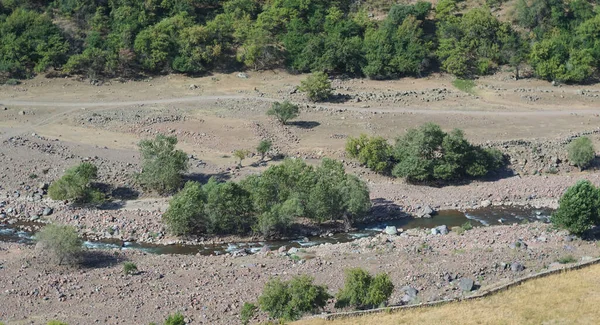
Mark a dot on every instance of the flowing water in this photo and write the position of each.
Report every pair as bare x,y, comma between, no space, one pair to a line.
450,218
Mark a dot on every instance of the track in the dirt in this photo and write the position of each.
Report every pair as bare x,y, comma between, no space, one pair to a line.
386,109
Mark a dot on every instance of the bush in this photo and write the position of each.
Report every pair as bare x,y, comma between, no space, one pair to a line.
263,147
241,154
12,82
284,112
60,242
162,164
186,210
361,290
56,322
129,268
247,313
290,300
375,152
75,185
578,208
581,152
317,86
175,319
567,259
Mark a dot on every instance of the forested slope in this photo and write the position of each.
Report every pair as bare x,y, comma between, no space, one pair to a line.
559,39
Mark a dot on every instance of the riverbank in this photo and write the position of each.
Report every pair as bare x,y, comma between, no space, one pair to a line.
211,289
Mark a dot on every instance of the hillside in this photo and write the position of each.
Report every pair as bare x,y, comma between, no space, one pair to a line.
374,39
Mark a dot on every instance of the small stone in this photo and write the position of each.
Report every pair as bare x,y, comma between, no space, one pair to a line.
443,229
466,284
293,250
242,75
47,211
516,267
282,249
391,230
265,249
22,113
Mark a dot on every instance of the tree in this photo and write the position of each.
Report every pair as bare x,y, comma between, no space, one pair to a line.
263,147
60,242
284,112
291,299
581,152
578,208
229,208
362,290
241,154
162,164
186,210
247,313
75,185
317,86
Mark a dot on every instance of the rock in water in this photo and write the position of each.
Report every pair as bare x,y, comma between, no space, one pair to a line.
466,284
391,230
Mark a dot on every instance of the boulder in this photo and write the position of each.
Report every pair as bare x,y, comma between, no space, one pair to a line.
434,231
391,230
410,294
485,203
282,249
292,250
265,249
47,211
242,75
443,229
466,284
43,186
516,267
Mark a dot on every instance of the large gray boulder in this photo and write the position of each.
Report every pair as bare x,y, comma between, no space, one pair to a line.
391,230
410,294
516,267
443,229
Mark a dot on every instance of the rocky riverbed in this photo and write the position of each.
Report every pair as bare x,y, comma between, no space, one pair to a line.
211,289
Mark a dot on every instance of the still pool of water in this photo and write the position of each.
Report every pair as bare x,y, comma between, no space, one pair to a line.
450,218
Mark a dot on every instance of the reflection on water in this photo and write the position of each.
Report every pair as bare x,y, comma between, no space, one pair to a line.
450,218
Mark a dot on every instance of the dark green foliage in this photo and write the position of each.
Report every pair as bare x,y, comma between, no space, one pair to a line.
362,290
162,164
247,313
566,259
75,185
284,112
428,153
317,86
289,300
129,268
578,208
269,202
263,147
175,319
59,242
581,152
29,42
375,152
56,322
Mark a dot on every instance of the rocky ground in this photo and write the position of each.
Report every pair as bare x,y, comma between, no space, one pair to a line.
49,125
211,289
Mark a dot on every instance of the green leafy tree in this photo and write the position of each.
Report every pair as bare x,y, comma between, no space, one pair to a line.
284,112
241,154
60,242
291,299
317,86
75,185
361,290
578,208
581,152
186,210
162,164
264,146
228,208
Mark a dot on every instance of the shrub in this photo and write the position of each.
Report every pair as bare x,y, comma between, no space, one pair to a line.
248,311
290,300
578,208
375,152
12,82
56,322
75,185
284,112
361,290
240,154
467,226
263,147
567,259
581,152
60,242
175,319
129,268
162,164
317,86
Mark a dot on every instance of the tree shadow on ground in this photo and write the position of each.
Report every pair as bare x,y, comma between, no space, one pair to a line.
383,208
97,259
305,124
203,177
125,193
339,98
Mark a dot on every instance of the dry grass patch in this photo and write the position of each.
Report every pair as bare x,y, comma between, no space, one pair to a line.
571,297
